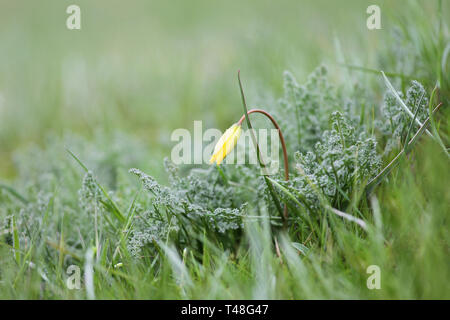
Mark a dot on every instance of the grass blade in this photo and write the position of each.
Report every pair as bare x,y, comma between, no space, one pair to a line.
114,208
433,124
258,152
375,181
375,71
348,217
14,193
402,104
16,243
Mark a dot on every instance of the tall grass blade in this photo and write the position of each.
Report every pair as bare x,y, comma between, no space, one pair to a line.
375,181
16,243
114,208
402,104
14,193
433,124
348,217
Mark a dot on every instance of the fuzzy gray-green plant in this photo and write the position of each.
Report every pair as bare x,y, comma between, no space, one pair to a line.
200,201
343,159
304,110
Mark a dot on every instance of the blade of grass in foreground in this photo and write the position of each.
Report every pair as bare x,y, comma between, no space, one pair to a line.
402,104
433,124
291,196
405,144
114,208
375,71
348,217
344,215
16,242
375,181
14,193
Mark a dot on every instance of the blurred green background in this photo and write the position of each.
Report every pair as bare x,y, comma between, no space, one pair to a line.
149,67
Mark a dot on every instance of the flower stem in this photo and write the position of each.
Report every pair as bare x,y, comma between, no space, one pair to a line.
283,143
286,166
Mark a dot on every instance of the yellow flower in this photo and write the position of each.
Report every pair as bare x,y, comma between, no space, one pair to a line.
226,143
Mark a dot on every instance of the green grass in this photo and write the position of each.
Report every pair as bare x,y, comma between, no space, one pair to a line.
78,110
409,243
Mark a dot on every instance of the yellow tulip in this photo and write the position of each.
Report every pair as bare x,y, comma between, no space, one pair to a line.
226,143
